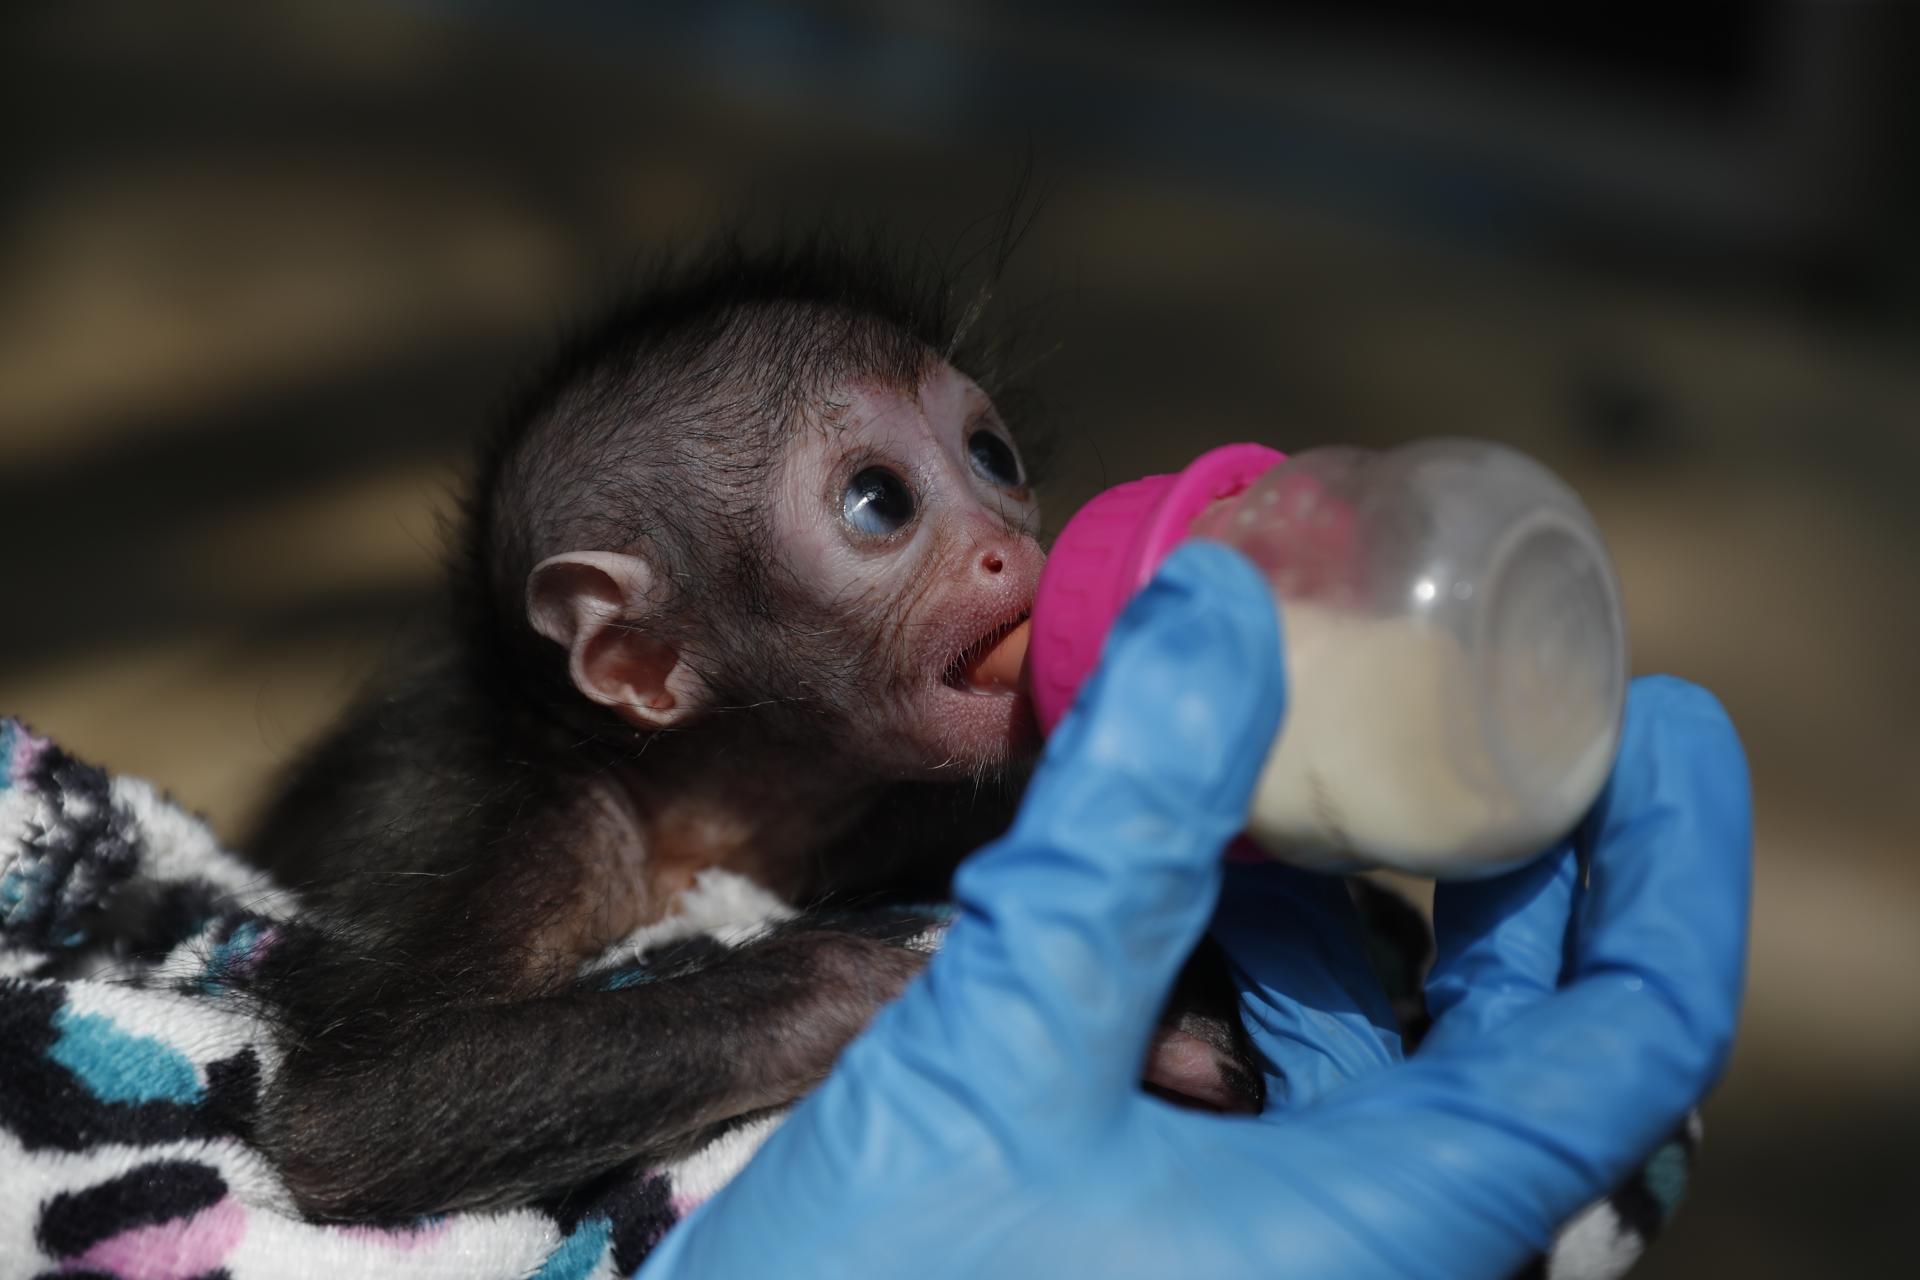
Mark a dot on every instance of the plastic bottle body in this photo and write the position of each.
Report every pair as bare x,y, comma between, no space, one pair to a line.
1456,656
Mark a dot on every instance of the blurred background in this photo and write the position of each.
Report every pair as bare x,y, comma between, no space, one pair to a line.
265,269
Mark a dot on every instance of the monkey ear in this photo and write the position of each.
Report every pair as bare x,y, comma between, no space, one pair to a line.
596,606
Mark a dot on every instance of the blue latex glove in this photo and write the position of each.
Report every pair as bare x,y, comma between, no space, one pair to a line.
990,1122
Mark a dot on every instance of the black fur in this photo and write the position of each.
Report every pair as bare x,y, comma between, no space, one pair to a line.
436,1058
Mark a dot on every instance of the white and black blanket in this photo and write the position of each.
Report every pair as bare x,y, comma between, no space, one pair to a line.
131,1068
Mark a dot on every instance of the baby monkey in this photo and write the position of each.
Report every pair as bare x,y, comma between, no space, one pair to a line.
721,582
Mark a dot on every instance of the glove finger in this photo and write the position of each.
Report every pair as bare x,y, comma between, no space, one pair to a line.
1310,996
1501,944
1502,1136
1663,921
1072,926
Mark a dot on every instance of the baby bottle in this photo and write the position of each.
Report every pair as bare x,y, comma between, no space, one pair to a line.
1456,655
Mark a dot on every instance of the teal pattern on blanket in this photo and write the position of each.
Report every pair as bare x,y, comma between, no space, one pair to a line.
22,891
579,1253
1666,1176
119,1067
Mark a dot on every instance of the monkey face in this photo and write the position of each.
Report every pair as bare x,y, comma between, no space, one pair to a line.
909,523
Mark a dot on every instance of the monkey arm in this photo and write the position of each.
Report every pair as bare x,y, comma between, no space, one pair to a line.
493,1104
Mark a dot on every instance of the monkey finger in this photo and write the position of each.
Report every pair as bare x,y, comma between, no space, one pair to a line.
1073,926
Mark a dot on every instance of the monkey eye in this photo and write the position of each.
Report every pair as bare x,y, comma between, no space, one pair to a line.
994,459
877,502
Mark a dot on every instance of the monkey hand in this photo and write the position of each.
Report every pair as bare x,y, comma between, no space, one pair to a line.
990,1121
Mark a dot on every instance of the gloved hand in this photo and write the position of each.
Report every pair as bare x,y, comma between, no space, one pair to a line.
990,1122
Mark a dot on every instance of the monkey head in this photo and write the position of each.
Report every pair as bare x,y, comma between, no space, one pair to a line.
809,542
898,544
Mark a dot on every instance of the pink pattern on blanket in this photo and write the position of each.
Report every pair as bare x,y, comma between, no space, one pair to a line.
173,1250
27,751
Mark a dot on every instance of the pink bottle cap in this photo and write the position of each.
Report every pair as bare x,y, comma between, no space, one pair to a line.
1107,552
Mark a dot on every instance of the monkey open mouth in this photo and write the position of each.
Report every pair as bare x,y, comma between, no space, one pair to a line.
970,672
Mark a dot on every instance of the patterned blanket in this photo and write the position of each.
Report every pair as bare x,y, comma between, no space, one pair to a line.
131,1068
